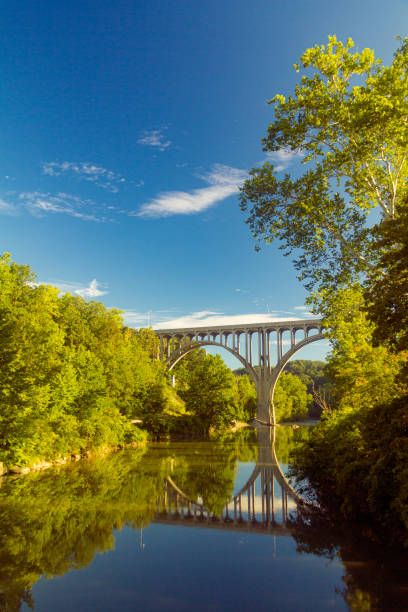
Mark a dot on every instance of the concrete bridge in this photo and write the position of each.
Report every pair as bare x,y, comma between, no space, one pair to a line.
262,505
254,345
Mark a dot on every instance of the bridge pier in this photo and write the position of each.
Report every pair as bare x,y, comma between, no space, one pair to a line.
265,411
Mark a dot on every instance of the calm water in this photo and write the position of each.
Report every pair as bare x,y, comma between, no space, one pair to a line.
182,526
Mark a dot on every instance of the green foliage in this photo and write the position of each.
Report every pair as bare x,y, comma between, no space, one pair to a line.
346,120
313,375
291,400
246,398
386,288
362,374
207,386
365,475
71,376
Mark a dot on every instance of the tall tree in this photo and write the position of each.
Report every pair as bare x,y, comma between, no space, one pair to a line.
348,121
208,388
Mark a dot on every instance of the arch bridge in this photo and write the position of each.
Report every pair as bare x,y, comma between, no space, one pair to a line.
254,345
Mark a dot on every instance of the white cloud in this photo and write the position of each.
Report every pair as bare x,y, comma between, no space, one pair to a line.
41,203
223,180
91,291
154,138
208,318
164,319
6,208
86,291
87,171
283,158
304,311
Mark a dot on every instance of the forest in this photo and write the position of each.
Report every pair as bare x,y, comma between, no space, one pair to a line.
74,380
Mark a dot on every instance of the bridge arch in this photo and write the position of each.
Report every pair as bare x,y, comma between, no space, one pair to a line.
179,354
256,357
279,368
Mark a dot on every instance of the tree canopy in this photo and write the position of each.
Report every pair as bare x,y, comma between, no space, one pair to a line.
348,121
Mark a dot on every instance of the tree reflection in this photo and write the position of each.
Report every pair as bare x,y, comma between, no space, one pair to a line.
375,576
55,521
58,520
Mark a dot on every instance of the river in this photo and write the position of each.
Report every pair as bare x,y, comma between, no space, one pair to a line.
203,525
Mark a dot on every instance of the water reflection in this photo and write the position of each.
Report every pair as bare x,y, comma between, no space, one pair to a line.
262,504
62,519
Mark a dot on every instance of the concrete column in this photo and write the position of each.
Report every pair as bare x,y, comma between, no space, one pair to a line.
250,348
263,388
246,346
259,347
268,349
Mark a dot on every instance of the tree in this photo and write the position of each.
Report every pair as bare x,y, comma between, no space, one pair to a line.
348,120
247,397
362,374
291,399
207,386
386,288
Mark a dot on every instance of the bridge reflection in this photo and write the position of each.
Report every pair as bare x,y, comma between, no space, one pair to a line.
265,504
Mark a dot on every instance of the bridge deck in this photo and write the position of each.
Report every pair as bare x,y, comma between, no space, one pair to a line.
243,527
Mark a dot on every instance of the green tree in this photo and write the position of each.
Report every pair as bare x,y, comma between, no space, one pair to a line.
291,400
362,374
247,397
386,288
69,372
207,386
347,120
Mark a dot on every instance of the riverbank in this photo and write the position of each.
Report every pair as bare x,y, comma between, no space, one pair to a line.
43,464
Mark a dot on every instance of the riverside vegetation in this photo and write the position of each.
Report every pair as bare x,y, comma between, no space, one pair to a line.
73,379
344,215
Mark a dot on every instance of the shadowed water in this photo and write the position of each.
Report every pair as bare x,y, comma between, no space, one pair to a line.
203,525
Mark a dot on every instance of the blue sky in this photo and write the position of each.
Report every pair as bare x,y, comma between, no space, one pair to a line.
127,127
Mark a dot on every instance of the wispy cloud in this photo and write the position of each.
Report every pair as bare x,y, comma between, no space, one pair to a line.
39,204
154,138
92,290
223,182
283,158
87,171
6,208
146,319
304,311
